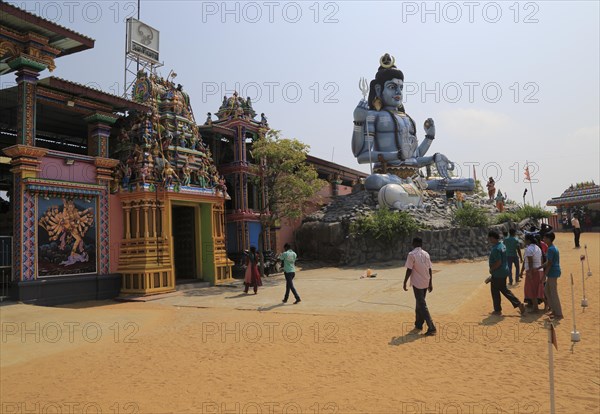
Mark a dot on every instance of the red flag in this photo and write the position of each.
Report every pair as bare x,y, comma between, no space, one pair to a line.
553,333
527,176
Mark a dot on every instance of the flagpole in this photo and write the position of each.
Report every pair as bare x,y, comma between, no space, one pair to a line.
575,337
551,366
529,179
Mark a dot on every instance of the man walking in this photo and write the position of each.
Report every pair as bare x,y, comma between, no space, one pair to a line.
289,270
499,271
513,255
418,269
576,230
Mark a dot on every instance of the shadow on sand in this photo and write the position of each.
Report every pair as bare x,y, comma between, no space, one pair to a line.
268,308
406,338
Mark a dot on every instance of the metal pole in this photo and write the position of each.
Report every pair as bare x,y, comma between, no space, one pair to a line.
587,258
125,74
549,326
575,337
584,301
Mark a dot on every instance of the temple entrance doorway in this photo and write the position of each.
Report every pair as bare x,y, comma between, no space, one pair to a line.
185,244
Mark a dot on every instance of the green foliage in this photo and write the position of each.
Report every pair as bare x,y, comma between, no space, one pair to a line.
506,217
471,216
290,183
384,224
533,212
523,213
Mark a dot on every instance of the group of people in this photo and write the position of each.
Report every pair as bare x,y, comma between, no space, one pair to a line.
541,267
541,270
252,276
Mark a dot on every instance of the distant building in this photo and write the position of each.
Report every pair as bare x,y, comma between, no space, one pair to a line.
583,200
340,180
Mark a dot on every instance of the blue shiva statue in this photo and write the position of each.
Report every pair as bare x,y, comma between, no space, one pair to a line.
385,137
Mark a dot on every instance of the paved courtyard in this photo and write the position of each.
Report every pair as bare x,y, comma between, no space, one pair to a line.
332,290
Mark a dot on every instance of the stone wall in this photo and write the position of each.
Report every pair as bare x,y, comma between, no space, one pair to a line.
331,242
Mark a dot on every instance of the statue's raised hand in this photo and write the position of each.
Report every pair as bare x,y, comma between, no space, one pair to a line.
429,127
443,165
361,110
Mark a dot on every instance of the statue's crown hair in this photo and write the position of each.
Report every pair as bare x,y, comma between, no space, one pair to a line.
387,61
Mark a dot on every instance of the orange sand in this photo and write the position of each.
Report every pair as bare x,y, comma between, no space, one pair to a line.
173,361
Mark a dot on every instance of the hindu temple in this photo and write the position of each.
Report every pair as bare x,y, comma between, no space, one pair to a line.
101,195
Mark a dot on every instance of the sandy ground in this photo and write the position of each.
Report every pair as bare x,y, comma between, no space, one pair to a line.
220,352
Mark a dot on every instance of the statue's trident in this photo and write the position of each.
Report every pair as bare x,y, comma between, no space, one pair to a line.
363,85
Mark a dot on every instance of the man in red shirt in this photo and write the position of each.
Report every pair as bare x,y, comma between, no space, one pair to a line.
418,269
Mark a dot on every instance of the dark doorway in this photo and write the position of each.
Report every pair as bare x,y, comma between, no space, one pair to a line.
184,242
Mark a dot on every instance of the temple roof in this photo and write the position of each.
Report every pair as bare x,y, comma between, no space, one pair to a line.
586,193
83,91
328,167
60,37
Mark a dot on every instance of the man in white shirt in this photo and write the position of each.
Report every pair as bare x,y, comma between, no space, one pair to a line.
576,230
418,269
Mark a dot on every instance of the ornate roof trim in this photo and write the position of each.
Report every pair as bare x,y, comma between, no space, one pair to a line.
7,9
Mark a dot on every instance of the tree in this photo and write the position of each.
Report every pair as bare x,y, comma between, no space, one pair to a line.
288,182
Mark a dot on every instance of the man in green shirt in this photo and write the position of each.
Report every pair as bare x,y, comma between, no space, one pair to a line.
513,255
289,270
499,271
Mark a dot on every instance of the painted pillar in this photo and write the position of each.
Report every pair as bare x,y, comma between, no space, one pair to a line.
104,170
25,162
27,72
99,125
25,165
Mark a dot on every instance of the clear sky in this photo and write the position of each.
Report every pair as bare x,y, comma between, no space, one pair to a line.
505,82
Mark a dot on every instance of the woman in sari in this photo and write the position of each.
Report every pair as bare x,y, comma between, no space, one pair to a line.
534,287
252,277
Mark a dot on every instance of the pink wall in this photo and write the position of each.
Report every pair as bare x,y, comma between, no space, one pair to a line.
54,168
286,233
288,227
115,230
344,189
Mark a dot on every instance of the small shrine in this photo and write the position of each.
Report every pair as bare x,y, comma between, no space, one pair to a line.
582,200
171,193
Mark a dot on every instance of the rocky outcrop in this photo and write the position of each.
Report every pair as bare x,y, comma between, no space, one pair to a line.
325,235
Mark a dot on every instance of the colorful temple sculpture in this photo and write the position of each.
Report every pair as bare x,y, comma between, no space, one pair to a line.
95,203
230,138
56,168
385,137
171,193
581,200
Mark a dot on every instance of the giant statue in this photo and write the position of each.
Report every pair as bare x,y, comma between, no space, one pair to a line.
385,137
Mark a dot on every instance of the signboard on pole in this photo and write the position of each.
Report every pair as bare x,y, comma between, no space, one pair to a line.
142,41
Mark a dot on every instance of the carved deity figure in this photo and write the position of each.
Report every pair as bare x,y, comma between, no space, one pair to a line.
186,173
500,199
385,136
68,225
169,175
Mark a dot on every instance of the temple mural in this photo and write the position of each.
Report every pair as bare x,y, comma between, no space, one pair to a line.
67,236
